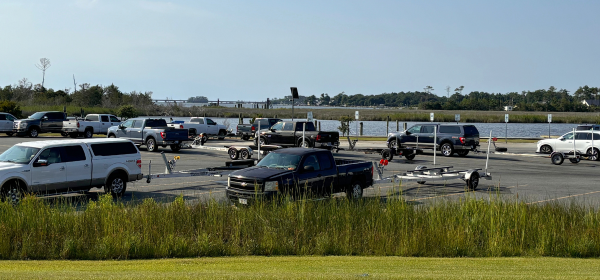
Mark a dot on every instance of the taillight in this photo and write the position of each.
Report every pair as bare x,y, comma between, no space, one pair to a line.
372,167
318,138
181,126
253,129
162,134
77,124
462,140
139,163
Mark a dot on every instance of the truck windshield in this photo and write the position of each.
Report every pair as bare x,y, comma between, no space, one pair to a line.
37,116
155,123
280,161
19,154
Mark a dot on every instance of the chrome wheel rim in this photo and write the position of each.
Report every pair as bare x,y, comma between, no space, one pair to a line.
150,145
393,144
88,134
356,191
446,149
232,154
117,186
594,153
34,133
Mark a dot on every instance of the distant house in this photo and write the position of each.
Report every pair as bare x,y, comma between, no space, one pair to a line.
590,102
508,108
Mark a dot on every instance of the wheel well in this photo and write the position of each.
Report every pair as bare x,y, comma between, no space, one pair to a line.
148,138
21,183
111,134
222,130
89,128
118,172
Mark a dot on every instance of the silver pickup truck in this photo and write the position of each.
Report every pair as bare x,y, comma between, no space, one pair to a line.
151,133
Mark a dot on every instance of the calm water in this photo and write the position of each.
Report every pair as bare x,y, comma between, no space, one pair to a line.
378,128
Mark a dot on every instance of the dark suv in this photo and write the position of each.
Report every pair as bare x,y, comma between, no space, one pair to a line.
451,138
588,127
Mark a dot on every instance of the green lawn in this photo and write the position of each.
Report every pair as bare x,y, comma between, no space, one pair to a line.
307,267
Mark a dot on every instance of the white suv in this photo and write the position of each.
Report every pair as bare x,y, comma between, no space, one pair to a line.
56,166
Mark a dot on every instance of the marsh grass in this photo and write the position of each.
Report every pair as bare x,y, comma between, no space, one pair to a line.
107,229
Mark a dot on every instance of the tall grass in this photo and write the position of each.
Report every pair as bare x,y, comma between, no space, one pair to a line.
105,229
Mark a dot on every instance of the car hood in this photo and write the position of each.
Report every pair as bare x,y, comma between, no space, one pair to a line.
259,173
25,120
9,166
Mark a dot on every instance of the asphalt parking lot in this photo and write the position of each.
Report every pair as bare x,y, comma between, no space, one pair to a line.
517,174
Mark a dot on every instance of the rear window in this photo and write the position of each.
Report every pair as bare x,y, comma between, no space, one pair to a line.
471,130
309,126
155,123
450,129
113,149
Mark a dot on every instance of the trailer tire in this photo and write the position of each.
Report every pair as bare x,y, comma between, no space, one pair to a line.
447,149
410,156
387,155
473,181
233,153
244,154
557,158
151,145
355,191
546,149
575,160
175,147
594,152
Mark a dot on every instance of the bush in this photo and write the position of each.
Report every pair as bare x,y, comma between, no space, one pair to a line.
127,111
11,108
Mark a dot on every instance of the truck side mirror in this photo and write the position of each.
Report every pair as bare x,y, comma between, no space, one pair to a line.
40,162
272,130
308,168
121,126
408,132
45,118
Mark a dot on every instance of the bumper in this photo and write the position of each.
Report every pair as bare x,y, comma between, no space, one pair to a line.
470,148
135,177
245,197
326,144
70,130
19,130
171,142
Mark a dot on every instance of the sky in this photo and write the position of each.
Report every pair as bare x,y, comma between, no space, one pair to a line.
253,50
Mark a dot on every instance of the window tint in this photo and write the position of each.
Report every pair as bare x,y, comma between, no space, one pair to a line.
91,118
114,119
427,129
568,136
137,124
325,161
155,122
272,122
210,122
471,130
277,126
311,161
450,129
309,126
128,123
55,116
111,149
596,137
2,117
104,118
73,153
10,117
582,136
288,126
52,155
415,129
197,120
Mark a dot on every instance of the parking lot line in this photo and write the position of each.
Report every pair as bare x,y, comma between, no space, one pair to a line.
568,196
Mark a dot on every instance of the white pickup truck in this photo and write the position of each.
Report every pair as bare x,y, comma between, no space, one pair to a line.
92,124
199,125
58,166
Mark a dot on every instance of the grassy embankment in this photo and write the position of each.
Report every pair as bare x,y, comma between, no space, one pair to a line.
312,267
468,227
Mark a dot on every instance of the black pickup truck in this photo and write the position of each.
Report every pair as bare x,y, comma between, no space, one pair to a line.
289,134
247,131
299,172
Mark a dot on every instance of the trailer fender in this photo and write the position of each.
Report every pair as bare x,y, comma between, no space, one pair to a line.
468,174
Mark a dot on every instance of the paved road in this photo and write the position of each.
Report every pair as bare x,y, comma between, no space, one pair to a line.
518,174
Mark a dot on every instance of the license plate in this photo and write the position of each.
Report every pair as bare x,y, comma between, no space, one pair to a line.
243,201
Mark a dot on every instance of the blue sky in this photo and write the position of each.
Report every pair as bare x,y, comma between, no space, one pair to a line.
251,50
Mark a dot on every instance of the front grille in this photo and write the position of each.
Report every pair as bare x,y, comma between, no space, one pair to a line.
246,184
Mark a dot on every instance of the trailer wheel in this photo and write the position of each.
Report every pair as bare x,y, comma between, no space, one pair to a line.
410,156
387,155
244,154
557,159
575,160
594,154
473,182
233,153
419,168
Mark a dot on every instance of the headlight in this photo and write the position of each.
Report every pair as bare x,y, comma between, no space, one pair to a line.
271,186
22,124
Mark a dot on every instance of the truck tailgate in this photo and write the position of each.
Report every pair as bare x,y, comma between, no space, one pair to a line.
176,134
331,137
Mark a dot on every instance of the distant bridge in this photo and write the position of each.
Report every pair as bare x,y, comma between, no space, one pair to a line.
216,102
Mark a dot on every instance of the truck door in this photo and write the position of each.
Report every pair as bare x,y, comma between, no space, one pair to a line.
51,174
56,121
211,127
123,130
410,139
329,173
310,178
136,133
199,125
104,124
114,121
276,135
79,166
5,125
426,136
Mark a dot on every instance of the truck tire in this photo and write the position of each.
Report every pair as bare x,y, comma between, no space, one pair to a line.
354,191
222,134
73,135
13,191
307,143
410,156
447,149
64,134
151,145
9,133
175,147
245,137
33,132
89,133
116,184
392,144
233,153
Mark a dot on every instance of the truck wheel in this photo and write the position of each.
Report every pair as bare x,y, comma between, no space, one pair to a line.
88,133
387,155
557,159
462,153
392,144
222,134
410,156
244,154
545,149
116,185
34,132
473,182
73,135
233,153
307,143
64,134
447,149
262,140
245,137
355,191
151,145
12,192
175,147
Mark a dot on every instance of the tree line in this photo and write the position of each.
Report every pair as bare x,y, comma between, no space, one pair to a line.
551,99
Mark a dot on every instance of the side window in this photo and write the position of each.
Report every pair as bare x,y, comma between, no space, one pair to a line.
2,117
114,119
197,120
415,129
288,126
277,126
449,129
128,123
73,153
272,122
324,161
309,126
91,118
56,116
581,136
137,124
596,136
568,136
10,117
427,129
104,118
52,155
210,122
111,149
311,161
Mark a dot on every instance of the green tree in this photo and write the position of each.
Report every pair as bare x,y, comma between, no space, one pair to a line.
127,111
345,125
11,108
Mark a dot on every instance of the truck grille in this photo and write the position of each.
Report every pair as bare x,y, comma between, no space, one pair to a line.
246,184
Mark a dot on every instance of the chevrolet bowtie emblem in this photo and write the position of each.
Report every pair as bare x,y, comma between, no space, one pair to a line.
244,184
